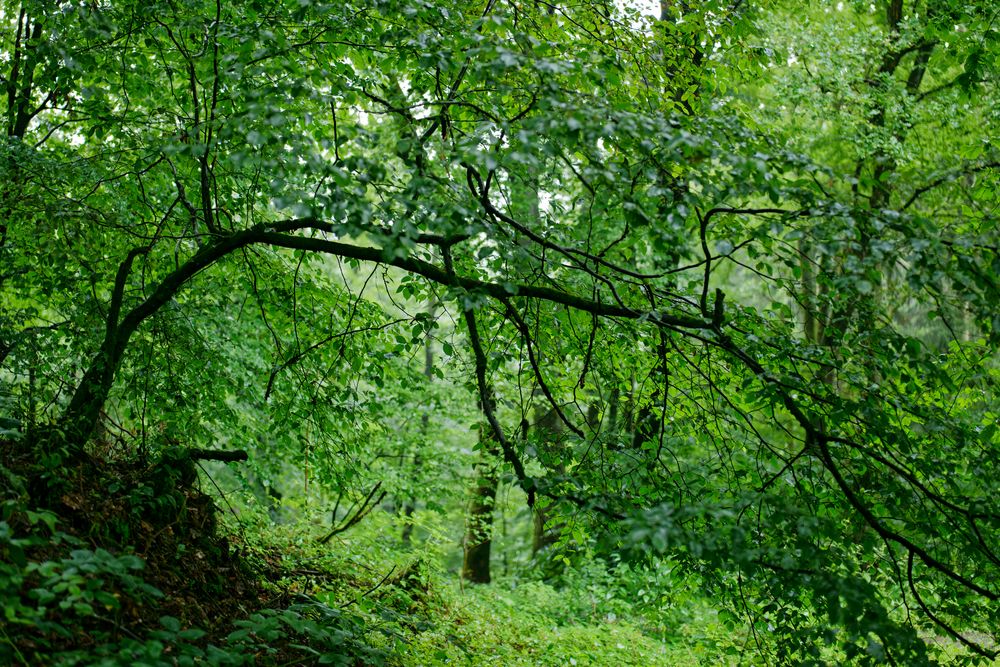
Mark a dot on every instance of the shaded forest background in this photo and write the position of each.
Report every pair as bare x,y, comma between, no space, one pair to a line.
407,332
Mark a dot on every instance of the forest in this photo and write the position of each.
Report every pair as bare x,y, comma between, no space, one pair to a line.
504,332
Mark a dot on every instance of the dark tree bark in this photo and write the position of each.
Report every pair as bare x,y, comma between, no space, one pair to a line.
479,519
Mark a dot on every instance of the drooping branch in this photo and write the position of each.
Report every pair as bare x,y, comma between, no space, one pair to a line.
947,178
367,505
82,414
820,445
522,327
299,356
495,290
486,393
952,632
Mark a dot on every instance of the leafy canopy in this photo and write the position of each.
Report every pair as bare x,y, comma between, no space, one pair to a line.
752,269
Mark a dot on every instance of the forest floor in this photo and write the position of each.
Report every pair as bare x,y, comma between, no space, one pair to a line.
128,563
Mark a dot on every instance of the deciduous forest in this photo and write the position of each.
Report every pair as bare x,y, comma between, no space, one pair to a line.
505,332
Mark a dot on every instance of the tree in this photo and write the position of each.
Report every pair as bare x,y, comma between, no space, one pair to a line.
163,156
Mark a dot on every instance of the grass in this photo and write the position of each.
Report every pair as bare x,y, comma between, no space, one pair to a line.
499,625
417,608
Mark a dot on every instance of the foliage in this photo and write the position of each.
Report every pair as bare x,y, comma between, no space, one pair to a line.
716,289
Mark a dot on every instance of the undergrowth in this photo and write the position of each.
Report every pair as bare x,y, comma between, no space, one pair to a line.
125,563
121,564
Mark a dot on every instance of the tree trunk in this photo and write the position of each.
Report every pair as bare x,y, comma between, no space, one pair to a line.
479,520
81,417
